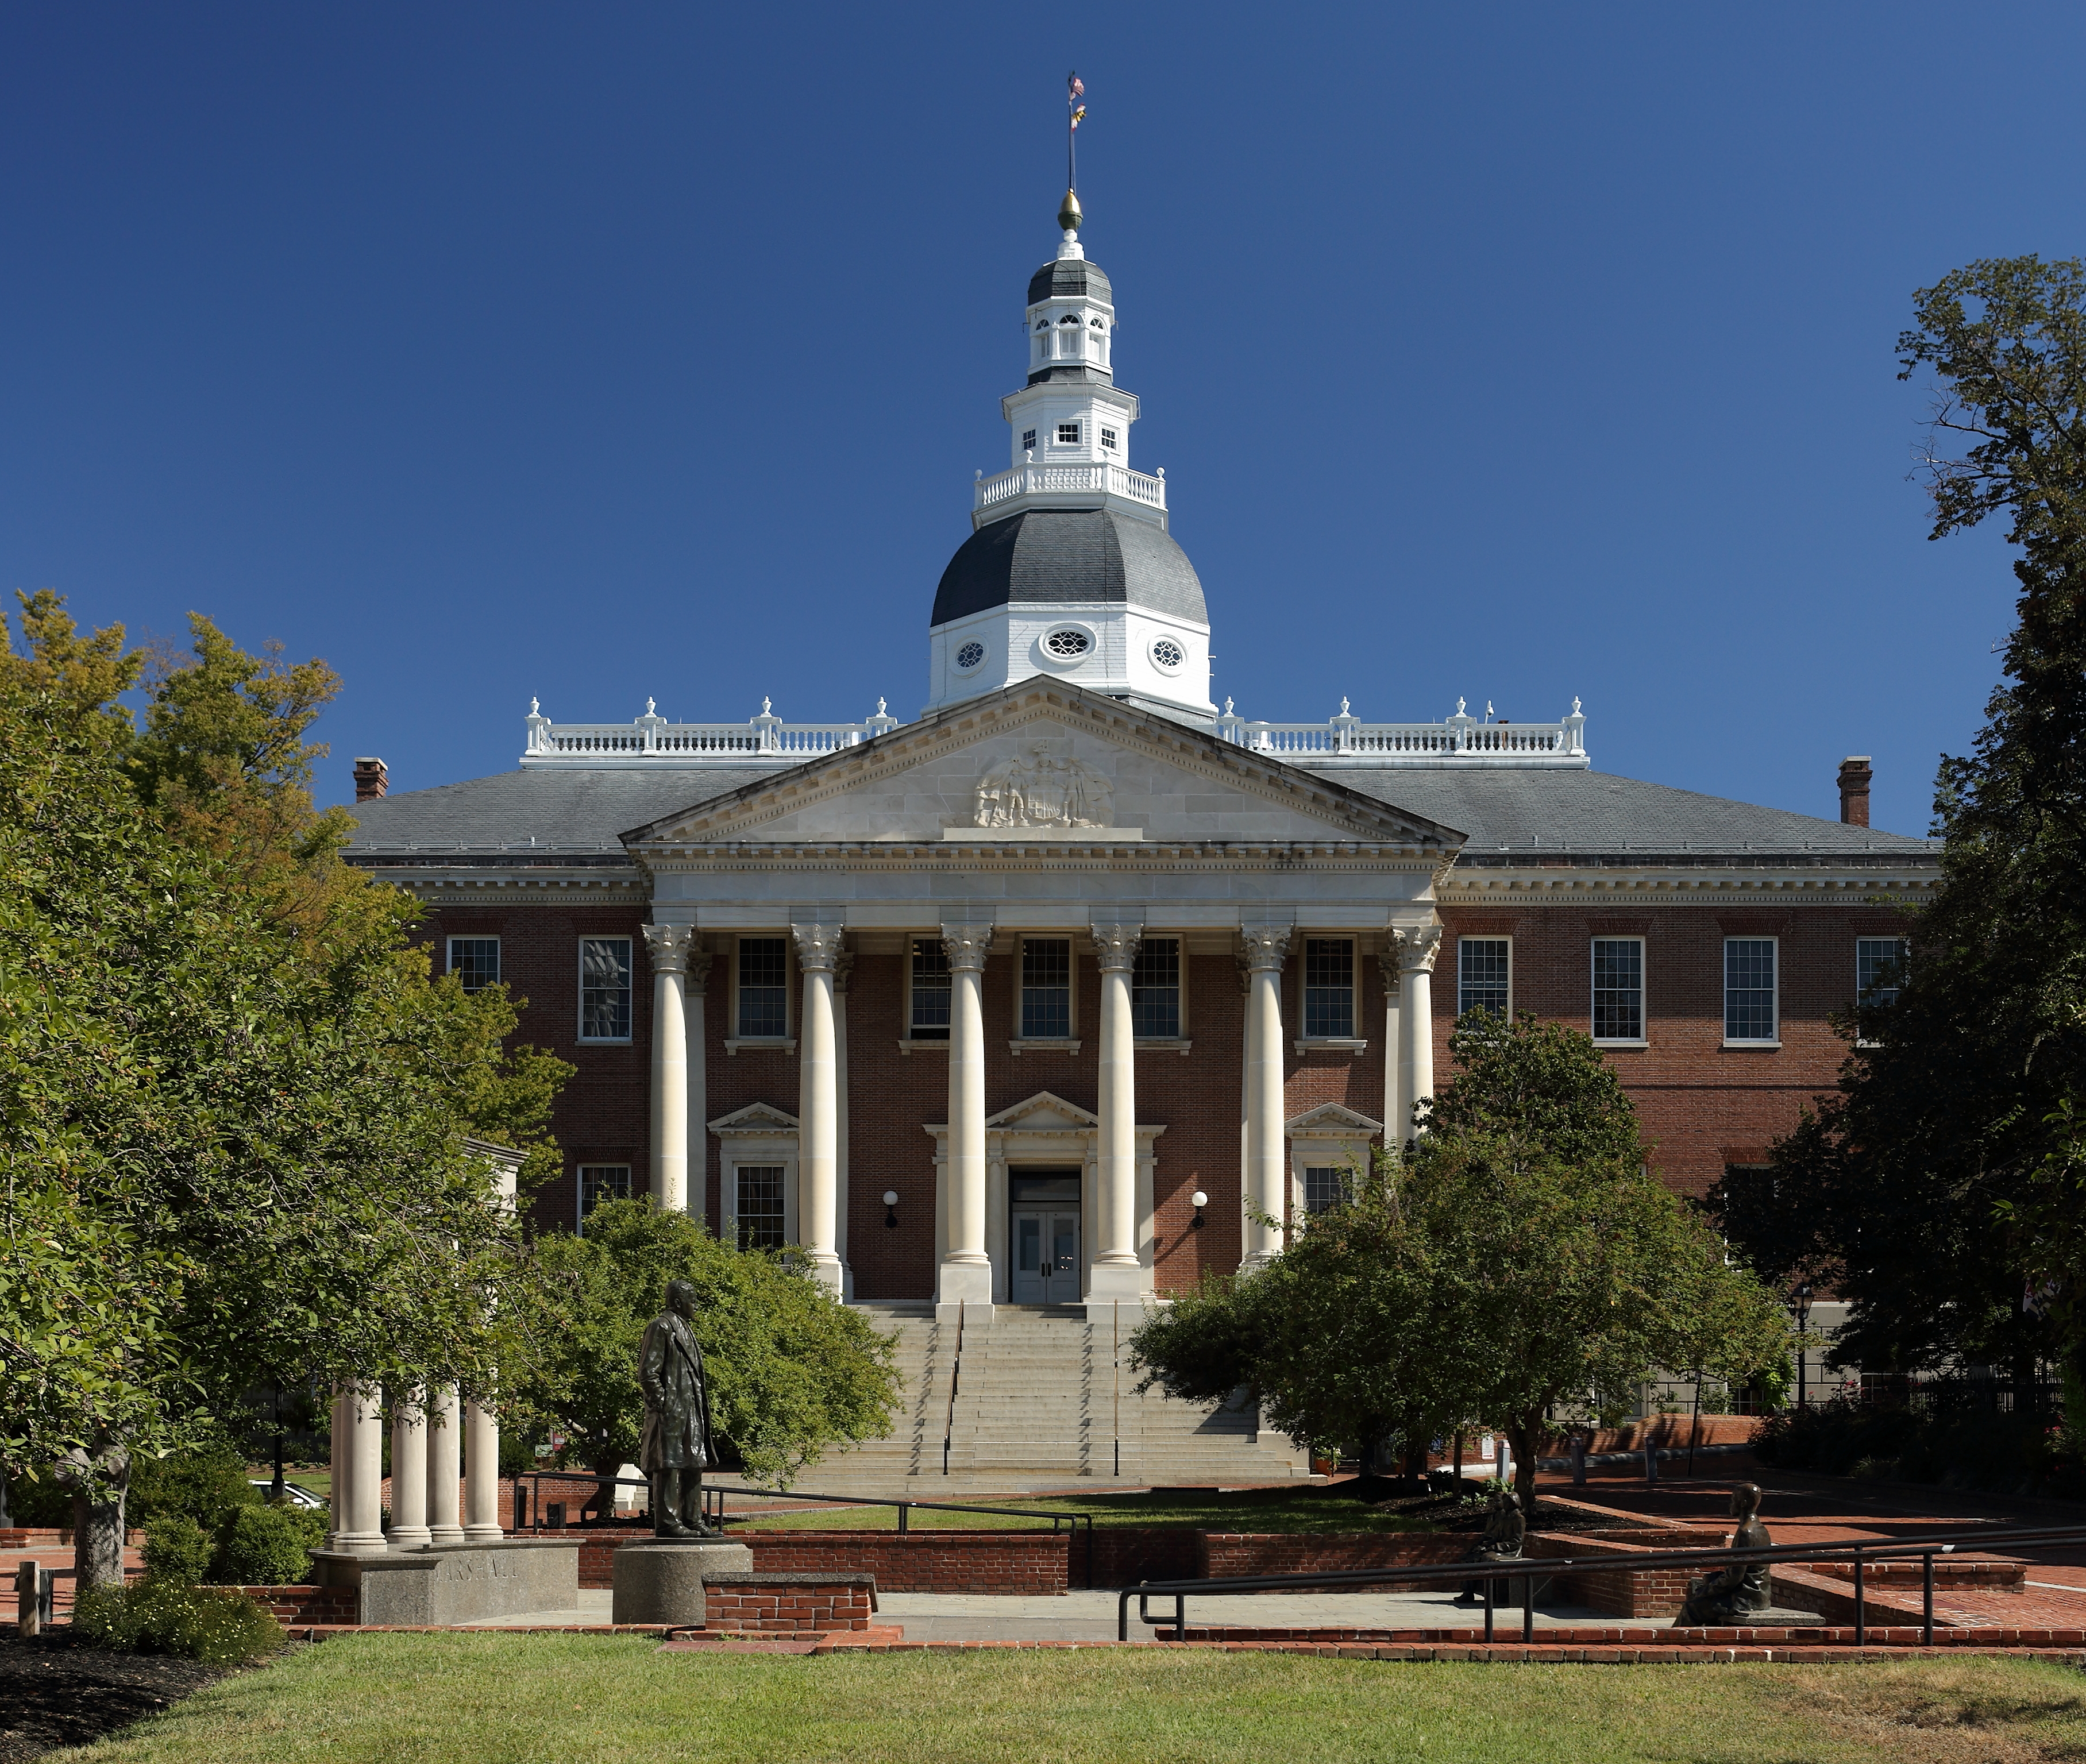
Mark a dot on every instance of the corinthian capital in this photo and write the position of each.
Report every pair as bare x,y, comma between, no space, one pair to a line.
1267,947
819,947
1417,949
699,968
669,946
1115,946
967,945
843,970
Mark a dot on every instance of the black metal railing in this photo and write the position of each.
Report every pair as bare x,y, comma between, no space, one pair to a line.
715,1513
1528,1570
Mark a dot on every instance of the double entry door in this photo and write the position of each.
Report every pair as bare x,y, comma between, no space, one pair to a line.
1043,1219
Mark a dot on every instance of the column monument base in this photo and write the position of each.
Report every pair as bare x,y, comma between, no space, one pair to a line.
1111,1282
661,1580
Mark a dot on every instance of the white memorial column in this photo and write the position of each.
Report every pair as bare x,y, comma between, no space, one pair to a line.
668,945
444,1467
1394,1056
843,973
364,1452
695,988
966,1270
1416,950
408,1472
338,1466
481,1480
817,1101
1116,1273
1267,1162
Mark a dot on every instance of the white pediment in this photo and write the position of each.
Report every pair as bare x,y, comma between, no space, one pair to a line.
756,1118
1044,1113
1330,1120
1040,766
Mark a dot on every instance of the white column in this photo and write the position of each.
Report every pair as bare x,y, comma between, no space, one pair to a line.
1416,950
1115,1272
1267,947
817,1101
966,1272
481,1514
1393,1055
695,986
444,1467
408,1472
668,945
339,1464
363,1448
843,973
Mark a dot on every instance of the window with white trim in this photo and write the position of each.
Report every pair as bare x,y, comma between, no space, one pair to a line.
1484,974
604,989
1325,1187
1749,989
1028,441
1155,990
1329,988
762,1209
1068,435
476,961
764,989
1619,988
1107,440
599,1183
1046,988
1879,970
927,1017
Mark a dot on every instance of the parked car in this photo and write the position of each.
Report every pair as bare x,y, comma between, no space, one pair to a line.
297,1496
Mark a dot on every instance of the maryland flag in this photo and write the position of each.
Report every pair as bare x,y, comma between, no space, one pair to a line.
1078,116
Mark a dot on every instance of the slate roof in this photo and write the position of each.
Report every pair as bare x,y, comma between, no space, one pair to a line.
1054,556
1070,279
1509,815
572,816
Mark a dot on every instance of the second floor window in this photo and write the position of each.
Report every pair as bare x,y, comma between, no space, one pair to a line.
1046,989
1619,988
604,989
476,961
928,1020
1155,989
1329,988
1879,970
1749,1014
762,1215
599,1183
1483,967
764,989
1325,1187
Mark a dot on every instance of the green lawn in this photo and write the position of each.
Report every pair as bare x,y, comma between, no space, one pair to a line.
1250,1510
472,1699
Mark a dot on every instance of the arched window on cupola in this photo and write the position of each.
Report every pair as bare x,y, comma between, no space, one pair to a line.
1071,339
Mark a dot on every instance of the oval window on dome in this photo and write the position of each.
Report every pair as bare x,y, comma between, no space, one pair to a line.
970,655
1068,643
1167,654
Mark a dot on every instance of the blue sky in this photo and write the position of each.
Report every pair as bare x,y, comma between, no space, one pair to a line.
598,353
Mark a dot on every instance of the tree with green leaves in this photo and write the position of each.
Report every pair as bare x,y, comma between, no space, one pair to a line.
1936,1190
234,1103
793,1372
1520,1266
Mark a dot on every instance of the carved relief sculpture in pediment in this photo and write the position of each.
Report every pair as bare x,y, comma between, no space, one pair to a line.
1042,787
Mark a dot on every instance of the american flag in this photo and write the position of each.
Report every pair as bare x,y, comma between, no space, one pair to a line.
1074,86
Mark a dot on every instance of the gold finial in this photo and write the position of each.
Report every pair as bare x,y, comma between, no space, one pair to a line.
1069,216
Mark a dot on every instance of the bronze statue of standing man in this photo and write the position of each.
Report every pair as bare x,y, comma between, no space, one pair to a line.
677,1437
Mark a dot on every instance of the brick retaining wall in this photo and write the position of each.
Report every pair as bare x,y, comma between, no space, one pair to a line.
788,1604
1222,1554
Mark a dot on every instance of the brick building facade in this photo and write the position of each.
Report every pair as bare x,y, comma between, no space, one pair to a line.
1044,995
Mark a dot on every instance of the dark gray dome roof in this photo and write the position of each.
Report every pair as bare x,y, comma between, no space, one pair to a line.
1053,557
1070,278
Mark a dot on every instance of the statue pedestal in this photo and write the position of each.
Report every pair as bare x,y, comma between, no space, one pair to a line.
661,1580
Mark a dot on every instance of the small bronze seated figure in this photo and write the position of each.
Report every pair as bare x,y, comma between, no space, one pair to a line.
1505,1529
1742,1594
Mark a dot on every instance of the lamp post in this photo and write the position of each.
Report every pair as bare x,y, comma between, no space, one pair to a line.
891,1207
1799,1298
1199,1201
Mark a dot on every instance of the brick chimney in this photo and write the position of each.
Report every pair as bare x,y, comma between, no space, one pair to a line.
371,782
1854,775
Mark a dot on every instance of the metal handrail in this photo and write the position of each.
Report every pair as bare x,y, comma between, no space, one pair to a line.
1528,1569
713,1506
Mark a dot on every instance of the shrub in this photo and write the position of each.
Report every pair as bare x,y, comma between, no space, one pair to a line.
178,1549
261,1546
153,1616
208,1484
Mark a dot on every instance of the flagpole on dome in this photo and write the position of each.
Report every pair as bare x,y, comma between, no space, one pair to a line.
1069,216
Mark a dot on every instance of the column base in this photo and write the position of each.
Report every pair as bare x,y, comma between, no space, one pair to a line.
483,1534
1108,1282
406,1537
445,1537
965,1283
1254,1260
359,1544
828,1271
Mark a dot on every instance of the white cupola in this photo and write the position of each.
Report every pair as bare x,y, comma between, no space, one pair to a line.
1070,570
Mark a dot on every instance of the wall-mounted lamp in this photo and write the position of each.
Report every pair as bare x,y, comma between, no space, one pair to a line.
1199,1201
891,1207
